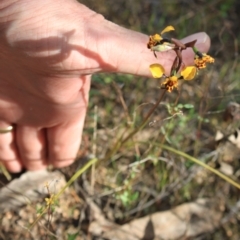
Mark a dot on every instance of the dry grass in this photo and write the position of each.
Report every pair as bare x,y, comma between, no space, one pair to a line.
202,103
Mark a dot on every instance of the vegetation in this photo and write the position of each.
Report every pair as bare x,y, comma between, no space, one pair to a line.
149,170
186,120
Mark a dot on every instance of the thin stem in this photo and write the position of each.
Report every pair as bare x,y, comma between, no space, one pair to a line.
221,175
134,131
142,125
73,178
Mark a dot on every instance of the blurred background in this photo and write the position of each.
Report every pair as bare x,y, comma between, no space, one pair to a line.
187,120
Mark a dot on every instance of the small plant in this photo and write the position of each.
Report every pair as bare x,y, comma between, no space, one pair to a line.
51,201
128,197
157,43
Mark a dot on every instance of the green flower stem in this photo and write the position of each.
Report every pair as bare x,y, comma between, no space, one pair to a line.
221,175
76,175
195,50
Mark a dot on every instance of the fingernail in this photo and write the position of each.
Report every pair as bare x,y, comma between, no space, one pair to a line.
201,37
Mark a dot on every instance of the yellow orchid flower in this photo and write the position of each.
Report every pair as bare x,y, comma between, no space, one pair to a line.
170,83
202,60
155,44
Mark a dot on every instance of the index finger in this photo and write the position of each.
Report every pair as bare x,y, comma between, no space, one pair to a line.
126,51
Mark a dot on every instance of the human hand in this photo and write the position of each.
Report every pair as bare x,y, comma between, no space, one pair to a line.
48,52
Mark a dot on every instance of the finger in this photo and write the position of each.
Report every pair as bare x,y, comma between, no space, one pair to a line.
126,51
64,141
31,143
8,150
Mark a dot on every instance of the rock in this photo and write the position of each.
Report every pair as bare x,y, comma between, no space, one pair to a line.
184,221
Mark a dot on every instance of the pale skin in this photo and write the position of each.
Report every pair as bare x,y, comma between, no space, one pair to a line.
48,51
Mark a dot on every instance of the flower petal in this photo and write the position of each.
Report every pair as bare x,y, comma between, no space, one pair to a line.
156,37
163,47
167,29
170,83
189,73
157,70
